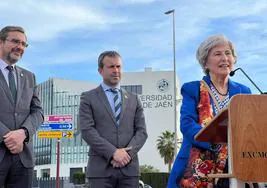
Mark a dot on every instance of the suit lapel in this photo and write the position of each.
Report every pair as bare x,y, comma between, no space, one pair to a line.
103,98
5,87
124,98
20,83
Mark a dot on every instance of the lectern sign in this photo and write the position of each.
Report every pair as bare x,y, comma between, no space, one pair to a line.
254,154
248,137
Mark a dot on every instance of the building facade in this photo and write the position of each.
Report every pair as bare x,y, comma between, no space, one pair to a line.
62,97
157,98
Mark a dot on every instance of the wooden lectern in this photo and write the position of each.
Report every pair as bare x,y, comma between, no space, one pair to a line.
244,127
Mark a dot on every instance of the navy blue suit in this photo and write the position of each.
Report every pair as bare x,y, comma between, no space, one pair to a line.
189,124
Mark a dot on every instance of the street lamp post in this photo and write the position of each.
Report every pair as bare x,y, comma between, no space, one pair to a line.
174,78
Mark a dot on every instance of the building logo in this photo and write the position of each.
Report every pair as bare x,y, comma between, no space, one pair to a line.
163,85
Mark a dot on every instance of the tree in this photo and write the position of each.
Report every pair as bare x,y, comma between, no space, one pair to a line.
165,146
148,169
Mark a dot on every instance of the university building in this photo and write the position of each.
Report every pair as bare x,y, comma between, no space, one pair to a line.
61,97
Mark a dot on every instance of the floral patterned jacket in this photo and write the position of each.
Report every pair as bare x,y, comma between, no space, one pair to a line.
189,123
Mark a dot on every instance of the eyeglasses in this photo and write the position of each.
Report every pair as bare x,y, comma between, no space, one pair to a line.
18,42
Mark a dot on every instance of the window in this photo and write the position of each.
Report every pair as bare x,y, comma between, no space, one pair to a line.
137,89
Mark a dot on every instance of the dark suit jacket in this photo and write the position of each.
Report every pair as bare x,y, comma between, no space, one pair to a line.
99,130
26,112
189,123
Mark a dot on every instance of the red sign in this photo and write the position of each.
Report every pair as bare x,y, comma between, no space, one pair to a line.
58,118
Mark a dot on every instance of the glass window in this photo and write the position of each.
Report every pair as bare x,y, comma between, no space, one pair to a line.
137,89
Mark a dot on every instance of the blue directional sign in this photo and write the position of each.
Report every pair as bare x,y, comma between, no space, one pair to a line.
57,126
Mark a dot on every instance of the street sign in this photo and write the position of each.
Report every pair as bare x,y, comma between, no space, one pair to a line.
68,134
58,118
56,126
49,134
55,134
57,122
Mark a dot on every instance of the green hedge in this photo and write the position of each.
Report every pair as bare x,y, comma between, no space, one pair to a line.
79,178
155,179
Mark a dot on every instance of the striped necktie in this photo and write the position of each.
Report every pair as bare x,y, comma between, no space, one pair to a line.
117,104
11,82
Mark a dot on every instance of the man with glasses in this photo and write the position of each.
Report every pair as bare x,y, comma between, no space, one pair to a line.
113,124
20,111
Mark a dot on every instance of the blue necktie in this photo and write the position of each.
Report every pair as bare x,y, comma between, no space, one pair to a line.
11,81
117,104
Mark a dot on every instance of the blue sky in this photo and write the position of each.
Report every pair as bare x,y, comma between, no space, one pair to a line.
67,36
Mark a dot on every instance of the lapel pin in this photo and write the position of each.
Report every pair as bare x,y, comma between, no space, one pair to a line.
21,74
125,96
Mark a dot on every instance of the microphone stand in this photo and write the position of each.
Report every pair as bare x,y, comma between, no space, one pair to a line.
233,72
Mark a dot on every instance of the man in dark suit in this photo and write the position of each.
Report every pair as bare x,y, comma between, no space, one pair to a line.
20,111
113,124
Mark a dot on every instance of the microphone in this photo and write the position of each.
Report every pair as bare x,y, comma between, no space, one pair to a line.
232,73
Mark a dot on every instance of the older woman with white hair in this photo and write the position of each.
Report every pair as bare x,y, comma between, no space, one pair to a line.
202,100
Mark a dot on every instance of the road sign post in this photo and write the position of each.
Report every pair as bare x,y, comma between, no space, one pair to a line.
57,126
58,163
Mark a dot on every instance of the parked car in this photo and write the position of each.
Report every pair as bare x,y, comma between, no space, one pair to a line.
143,185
